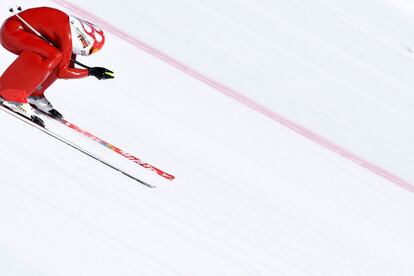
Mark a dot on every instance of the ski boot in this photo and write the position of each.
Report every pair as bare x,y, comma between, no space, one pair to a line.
42,104
25,110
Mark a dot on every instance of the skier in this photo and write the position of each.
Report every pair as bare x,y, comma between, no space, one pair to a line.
45,57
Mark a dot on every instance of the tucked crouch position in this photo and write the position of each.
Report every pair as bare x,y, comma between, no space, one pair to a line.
47,42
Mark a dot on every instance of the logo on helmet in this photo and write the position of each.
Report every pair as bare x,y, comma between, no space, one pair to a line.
82,38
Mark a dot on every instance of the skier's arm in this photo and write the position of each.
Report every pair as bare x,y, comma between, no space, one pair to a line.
73,73
70,72
66,68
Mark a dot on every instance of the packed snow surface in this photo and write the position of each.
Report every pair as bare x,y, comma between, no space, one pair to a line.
289,126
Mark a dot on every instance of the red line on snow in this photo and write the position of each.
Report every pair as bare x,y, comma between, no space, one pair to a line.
237,96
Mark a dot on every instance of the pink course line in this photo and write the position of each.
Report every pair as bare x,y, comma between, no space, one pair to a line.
237,96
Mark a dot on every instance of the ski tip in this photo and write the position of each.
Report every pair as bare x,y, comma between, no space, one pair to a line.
149,185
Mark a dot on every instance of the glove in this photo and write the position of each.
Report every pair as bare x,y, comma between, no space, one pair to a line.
101,73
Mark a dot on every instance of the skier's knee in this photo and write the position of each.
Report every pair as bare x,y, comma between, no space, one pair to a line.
53,59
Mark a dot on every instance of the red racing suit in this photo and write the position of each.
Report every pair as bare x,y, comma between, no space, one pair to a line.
38,64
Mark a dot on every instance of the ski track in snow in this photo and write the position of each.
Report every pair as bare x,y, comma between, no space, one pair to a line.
239,97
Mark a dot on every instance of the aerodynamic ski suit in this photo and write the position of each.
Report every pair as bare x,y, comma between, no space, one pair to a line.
38,64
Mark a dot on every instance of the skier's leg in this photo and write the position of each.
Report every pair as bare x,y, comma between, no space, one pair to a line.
37,59
21,77
13,90
14,38
41,89
38,99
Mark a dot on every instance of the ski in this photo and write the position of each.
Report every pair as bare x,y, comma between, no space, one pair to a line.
72,145
110,146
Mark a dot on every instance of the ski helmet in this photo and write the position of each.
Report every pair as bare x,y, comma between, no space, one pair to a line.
86,37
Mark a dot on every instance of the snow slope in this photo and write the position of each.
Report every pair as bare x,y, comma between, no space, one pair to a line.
405,6
288,126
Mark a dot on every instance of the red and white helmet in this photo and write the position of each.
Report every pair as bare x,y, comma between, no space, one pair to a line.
86,37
